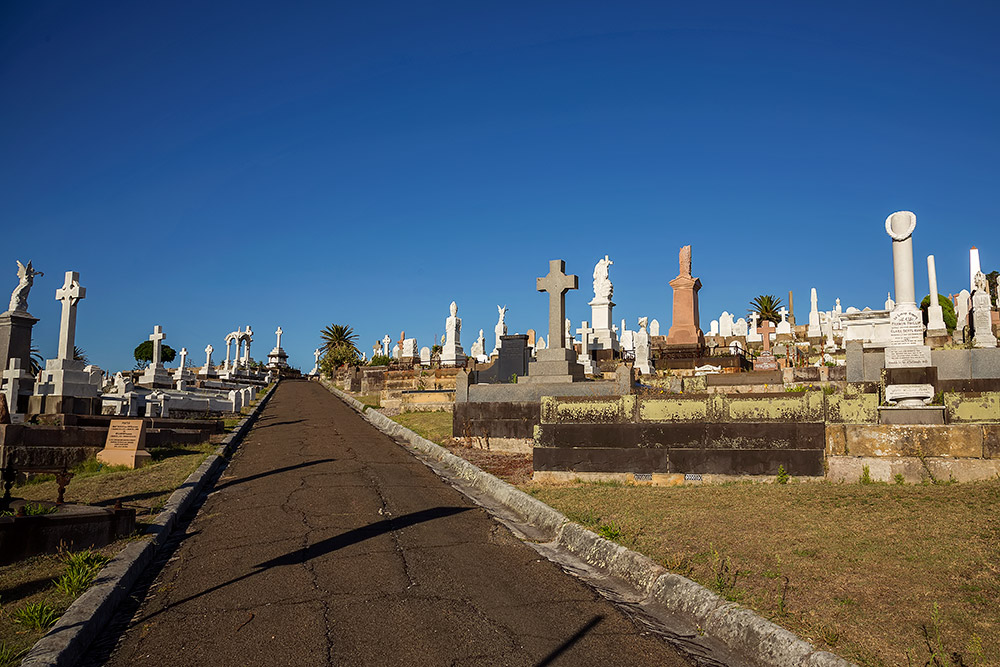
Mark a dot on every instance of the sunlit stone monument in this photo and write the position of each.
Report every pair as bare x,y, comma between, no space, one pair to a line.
603,335
277,358
557,363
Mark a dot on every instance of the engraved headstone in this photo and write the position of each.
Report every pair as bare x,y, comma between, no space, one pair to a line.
126,444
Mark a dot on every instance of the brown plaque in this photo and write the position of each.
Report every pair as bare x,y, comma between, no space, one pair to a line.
126,444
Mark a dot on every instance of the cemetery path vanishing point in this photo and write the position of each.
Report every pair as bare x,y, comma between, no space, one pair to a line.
327,543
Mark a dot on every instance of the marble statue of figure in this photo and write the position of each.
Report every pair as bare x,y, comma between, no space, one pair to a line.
685,261
979,281
501,325
25,279
603,289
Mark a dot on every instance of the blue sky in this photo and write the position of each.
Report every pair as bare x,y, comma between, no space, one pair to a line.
211,165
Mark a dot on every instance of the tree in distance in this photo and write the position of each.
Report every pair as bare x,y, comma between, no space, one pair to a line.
339,348
767,305
144,354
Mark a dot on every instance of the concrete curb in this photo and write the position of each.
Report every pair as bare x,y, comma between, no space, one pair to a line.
742,630
73,633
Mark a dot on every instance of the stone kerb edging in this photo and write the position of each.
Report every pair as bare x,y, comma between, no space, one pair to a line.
741,629
73,633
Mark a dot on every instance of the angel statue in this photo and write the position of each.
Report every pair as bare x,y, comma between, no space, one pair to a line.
26,278
602,284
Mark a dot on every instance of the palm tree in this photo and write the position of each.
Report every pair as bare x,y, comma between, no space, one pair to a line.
339,336
79,354
35,361
767,306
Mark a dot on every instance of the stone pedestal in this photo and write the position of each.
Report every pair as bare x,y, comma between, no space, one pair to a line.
685,330
15,338
277,358
604,335
156,377
554,365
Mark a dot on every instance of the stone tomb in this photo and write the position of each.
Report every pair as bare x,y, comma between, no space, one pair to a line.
685,330
126,444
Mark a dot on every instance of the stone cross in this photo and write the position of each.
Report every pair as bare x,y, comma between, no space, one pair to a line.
585,332
316,354
557,283
208,356
784,313
70,294
402,338
766,329
279,332
184,354
157,337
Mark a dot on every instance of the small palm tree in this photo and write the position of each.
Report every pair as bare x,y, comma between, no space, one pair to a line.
80,354
35,361
767,306
339,336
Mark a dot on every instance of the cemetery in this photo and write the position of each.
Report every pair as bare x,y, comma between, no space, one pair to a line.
72,418
897,391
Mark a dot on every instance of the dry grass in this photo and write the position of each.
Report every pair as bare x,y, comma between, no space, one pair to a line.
880,574
437,427
32,580
145,489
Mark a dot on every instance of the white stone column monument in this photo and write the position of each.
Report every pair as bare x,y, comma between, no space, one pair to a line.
982,318
586,340
207,369
935,314
906,347
814,330
277,358
643,354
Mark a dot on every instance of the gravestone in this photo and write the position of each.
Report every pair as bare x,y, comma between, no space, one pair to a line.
409,352
765,361
982,320
643,353
425,356
17,384
605,337
479,348
713,328
16,323
316,355
740,327
784,326
277,358
935,314
753,336
685,331
725,324
386,342
814,330
67,385
586,341
654,328
499,330
906,349
557,363
208,370
452,353
156,376
511,364
126,444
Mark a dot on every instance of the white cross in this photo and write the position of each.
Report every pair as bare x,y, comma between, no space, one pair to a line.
279,332
784,313
70,294
157,337
184,354
208,356
585,332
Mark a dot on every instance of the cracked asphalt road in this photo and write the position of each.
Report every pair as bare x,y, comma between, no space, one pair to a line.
326,543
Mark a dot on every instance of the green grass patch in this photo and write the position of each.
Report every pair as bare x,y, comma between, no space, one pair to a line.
435,426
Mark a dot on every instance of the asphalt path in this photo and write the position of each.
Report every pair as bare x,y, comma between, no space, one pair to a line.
326,543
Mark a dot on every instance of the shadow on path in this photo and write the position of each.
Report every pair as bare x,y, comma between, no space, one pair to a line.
276,471
568,644
330,545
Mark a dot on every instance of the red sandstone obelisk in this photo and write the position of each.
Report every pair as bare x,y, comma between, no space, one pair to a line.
685,331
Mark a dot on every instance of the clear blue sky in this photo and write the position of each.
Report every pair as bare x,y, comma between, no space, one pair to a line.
207,165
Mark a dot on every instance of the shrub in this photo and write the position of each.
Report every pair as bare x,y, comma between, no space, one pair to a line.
82,568
783,476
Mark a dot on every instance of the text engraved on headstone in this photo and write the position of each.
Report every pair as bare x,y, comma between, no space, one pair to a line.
906,328
908,356
126,434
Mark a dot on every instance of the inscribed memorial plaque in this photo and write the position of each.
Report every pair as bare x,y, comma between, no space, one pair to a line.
126,444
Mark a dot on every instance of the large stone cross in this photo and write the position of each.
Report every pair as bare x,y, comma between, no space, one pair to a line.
784,313
766,329
184,354
157,337
70,294
279,332
208,356
557,283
